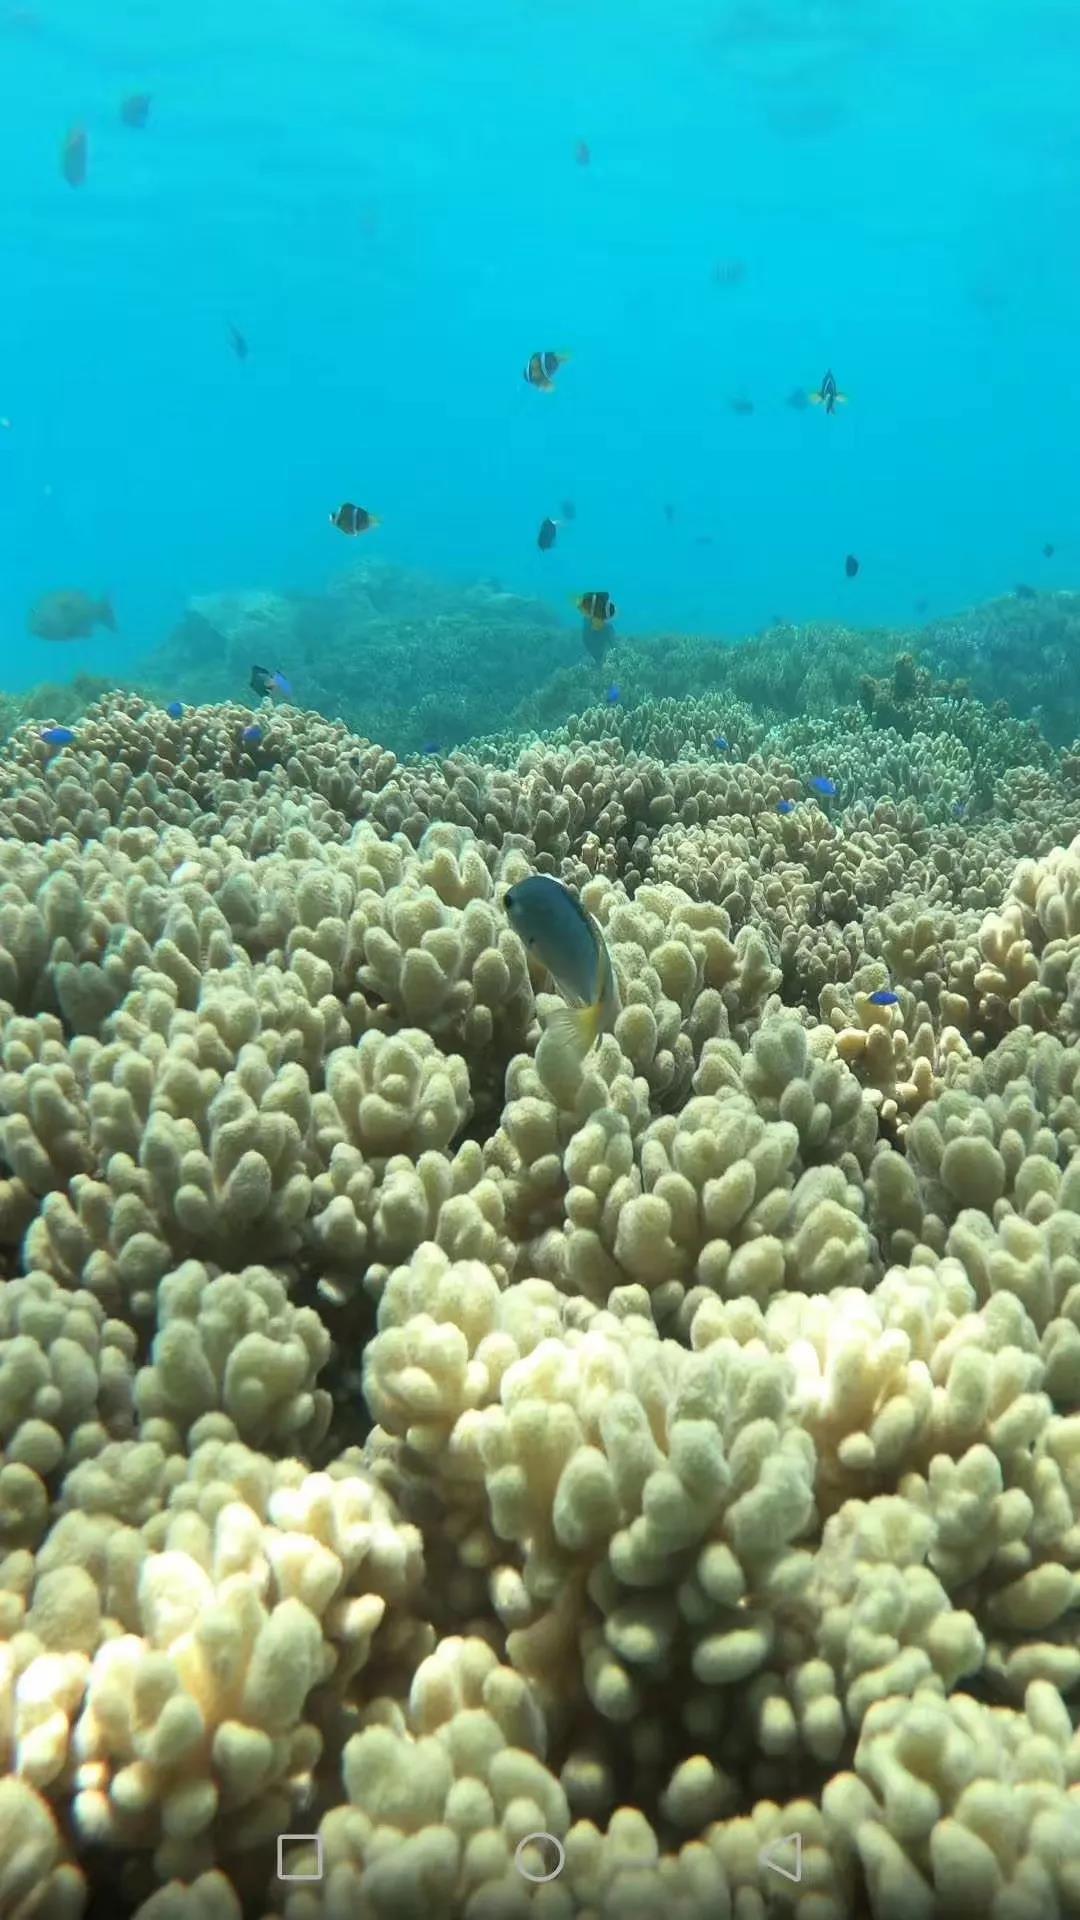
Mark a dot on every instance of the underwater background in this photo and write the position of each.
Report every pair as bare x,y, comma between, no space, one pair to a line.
539,961
387,202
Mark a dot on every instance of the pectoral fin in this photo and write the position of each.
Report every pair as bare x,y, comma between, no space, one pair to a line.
571,1031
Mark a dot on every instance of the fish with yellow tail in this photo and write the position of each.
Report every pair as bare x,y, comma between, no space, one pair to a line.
556,929
828,395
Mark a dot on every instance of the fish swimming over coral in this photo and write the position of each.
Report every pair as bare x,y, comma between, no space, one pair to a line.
267,681
558,931
70,614
598,609
55,738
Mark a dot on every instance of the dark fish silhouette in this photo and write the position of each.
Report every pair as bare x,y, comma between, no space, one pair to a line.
828,395
351,519
851,566
69,614
582,154
546,536
73,156
135,110
237,342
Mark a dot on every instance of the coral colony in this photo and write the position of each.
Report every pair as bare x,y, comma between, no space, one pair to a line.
675,1453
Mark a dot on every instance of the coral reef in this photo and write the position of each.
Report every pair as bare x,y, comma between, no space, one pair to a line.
415,1439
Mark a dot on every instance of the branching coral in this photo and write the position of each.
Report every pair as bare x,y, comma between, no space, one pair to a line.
410,1433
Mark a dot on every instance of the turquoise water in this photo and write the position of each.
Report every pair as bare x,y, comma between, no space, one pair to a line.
385,198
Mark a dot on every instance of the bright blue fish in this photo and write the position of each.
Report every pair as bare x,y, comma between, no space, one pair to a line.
251,736
884,997
175,709
430,746
614,695
820,783
720,745
785,806
57,736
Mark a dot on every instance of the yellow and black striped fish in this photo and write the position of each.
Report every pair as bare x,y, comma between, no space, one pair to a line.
350,519
541,368
598,609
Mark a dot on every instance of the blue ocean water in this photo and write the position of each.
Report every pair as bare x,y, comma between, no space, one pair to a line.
388,200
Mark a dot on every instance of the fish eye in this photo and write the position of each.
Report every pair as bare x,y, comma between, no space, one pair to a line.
508,899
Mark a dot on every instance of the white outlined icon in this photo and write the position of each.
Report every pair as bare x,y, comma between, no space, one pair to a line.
547,1840
299,1840
784,1856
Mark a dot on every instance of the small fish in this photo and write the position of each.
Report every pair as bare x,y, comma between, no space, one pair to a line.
959,809
828,395
669,512
820,783
541,368
57,737
720,745
1024,592
430,746
251,736
785,806
175,709
69,614
921,606
703,540
740,404
613,696
135,110
729,273
73,155
884,997
546,536
598,608
555,928
582,154
798,399
237,342
851,566
266,681
1048,550
350,519
569,511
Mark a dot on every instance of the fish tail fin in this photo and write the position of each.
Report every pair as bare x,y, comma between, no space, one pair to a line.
105,614
570,1032
596,625
373,521
840,399
815,399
